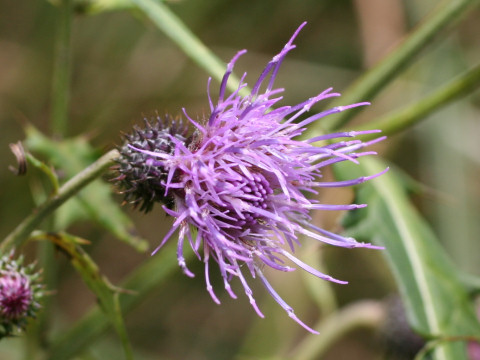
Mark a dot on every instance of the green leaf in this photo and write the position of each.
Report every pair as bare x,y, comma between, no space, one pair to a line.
22,231
95,202
438,305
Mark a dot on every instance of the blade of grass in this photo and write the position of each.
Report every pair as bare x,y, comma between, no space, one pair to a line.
373,81
401,119
437,303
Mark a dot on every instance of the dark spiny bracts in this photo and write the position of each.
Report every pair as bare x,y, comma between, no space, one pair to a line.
141,176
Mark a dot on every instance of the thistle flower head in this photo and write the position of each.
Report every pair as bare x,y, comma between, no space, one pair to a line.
20,291
239,185
15,295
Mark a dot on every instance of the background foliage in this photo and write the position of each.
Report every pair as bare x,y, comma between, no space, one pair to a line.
123,68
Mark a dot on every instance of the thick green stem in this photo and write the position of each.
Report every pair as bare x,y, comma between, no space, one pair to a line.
370,84
21,233
406,117
61,70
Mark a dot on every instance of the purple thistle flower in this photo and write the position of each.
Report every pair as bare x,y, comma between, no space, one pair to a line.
238,183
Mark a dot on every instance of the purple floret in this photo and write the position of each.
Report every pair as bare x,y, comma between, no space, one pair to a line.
16,295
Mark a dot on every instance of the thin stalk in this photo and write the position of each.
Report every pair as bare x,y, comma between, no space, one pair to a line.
21,233
399,120
370,84
361,314
61,70
320,291
176,30
60,99
36,336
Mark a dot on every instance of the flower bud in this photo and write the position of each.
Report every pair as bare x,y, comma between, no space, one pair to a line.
20,291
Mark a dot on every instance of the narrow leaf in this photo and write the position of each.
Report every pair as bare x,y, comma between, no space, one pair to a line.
437,303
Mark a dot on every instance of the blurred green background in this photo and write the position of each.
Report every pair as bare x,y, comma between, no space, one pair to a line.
123,68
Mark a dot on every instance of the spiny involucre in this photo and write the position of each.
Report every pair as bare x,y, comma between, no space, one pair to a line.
236,187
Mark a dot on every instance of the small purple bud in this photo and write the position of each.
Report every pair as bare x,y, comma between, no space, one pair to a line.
15,295
20,292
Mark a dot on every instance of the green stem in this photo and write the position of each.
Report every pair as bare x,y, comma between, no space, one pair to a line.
370,84
361,314
174,28
21,233
61,70
399,120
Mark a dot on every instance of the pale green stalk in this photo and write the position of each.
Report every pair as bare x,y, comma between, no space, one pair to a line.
60,99
61,70
176,30
401,119
369,314
374,80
